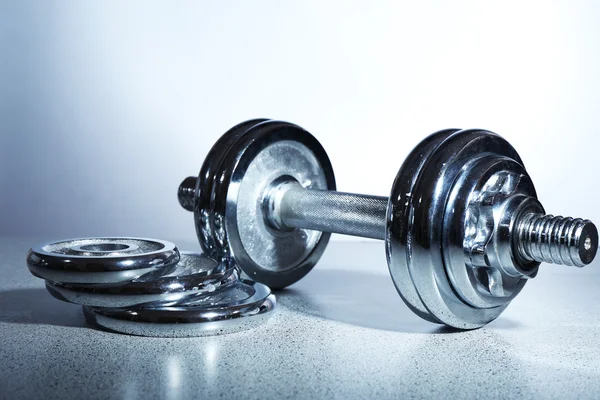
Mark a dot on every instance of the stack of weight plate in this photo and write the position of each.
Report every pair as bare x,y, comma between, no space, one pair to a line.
147,287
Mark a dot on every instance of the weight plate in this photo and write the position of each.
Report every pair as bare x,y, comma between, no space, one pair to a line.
209,172
417,227
240,307
267,153
397,240
195,276
101,260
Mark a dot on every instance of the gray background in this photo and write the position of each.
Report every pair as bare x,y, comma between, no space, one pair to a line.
106,106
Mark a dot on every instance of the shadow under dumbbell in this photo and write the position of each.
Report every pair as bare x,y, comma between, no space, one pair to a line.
361,299
37,306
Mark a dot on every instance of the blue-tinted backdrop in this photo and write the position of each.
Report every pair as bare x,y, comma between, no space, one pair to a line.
106,106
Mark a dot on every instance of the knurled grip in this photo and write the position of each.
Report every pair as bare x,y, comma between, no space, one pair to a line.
335,212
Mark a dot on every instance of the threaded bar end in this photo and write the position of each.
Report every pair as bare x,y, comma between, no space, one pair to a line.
557,240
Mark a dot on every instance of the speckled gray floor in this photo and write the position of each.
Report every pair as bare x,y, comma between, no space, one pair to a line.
342,332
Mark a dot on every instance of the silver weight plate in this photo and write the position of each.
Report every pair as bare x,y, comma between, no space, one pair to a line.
101,260
240,307
416,215
195,276
266,153
209,173
398,241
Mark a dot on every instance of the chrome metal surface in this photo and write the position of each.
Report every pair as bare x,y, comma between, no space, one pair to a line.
194,297
329,211
469,193
195,276
400,222
196,194
101,260
437,221
242,306
252,161
464,192
557,240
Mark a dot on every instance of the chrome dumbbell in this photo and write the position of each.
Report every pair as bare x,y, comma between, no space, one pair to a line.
463,227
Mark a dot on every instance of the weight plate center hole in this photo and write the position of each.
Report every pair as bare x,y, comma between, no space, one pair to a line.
104,247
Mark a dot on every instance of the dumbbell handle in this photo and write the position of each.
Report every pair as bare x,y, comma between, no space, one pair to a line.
541,238
331,211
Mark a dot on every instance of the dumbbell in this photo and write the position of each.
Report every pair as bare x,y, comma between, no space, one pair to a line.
463,228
